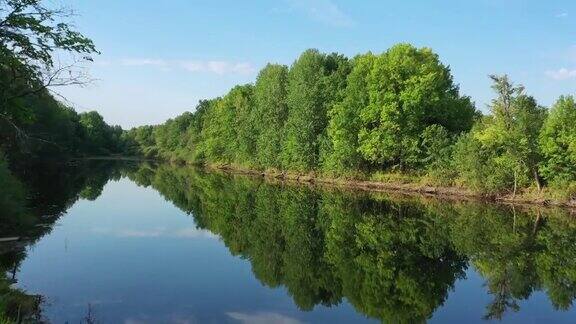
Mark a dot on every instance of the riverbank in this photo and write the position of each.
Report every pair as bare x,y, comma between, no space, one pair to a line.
114,157
407,185
395,183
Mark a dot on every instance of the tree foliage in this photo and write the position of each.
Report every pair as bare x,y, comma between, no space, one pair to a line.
30,34
558,142
313,84
409,90
502,152
270,114
32,122
398,111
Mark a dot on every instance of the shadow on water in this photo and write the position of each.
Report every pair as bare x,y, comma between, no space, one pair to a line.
393,258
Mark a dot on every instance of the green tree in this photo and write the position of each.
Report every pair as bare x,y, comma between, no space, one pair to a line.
314,82
193,138
270,113
140,141
558,142
30,34
97,131
217,132
12,198
409,90
170,137
506,143
437,147
228,131
344,122
244,145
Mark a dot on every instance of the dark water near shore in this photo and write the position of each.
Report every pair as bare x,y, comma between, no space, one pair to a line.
122,242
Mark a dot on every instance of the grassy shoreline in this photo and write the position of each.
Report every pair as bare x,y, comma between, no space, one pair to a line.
397,183
408,186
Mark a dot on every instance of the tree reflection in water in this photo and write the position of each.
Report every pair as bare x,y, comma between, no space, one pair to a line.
393,258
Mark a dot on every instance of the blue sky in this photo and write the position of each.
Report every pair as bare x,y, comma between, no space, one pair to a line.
160,57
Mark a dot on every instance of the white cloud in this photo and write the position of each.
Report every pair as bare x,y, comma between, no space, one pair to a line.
324,11
141,233
262,318
184,233
243,68
103,63
216,67
561,74
192,66
144,62
562,15
192,232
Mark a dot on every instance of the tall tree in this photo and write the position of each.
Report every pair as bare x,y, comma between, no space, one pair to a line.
315,82
344,124
409,90
193,136
227,132
242,100
507,153
516,125
558,142
337,68
218,132
97,131
270,113
306,112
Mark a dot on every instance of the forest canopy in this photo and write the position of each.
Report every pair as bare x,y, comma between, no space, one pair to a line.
397,112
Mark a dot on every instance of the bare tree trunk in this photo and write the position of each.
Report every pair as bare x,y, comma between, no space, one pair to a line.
515,183
514,219
537,222
537,179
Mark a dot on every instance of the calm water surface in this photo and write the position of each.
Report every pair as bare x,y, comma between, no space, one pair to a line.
162,244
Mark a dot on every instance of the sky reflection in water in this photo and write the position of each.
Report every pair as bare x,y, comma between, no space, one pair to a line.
239,251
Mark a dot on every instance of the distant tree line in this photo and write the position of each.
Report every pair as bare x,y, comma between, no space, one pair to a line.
396,112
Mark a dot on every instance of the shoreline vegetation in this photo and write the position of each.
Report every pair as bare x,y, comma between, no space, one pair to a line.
403,184
394,119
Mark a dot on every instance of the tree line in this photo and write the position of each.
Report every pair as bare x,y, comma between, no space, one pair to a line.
395,112
393,115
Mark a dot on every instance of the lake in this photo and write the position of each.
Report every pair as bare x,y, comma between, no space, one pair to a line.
127,242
